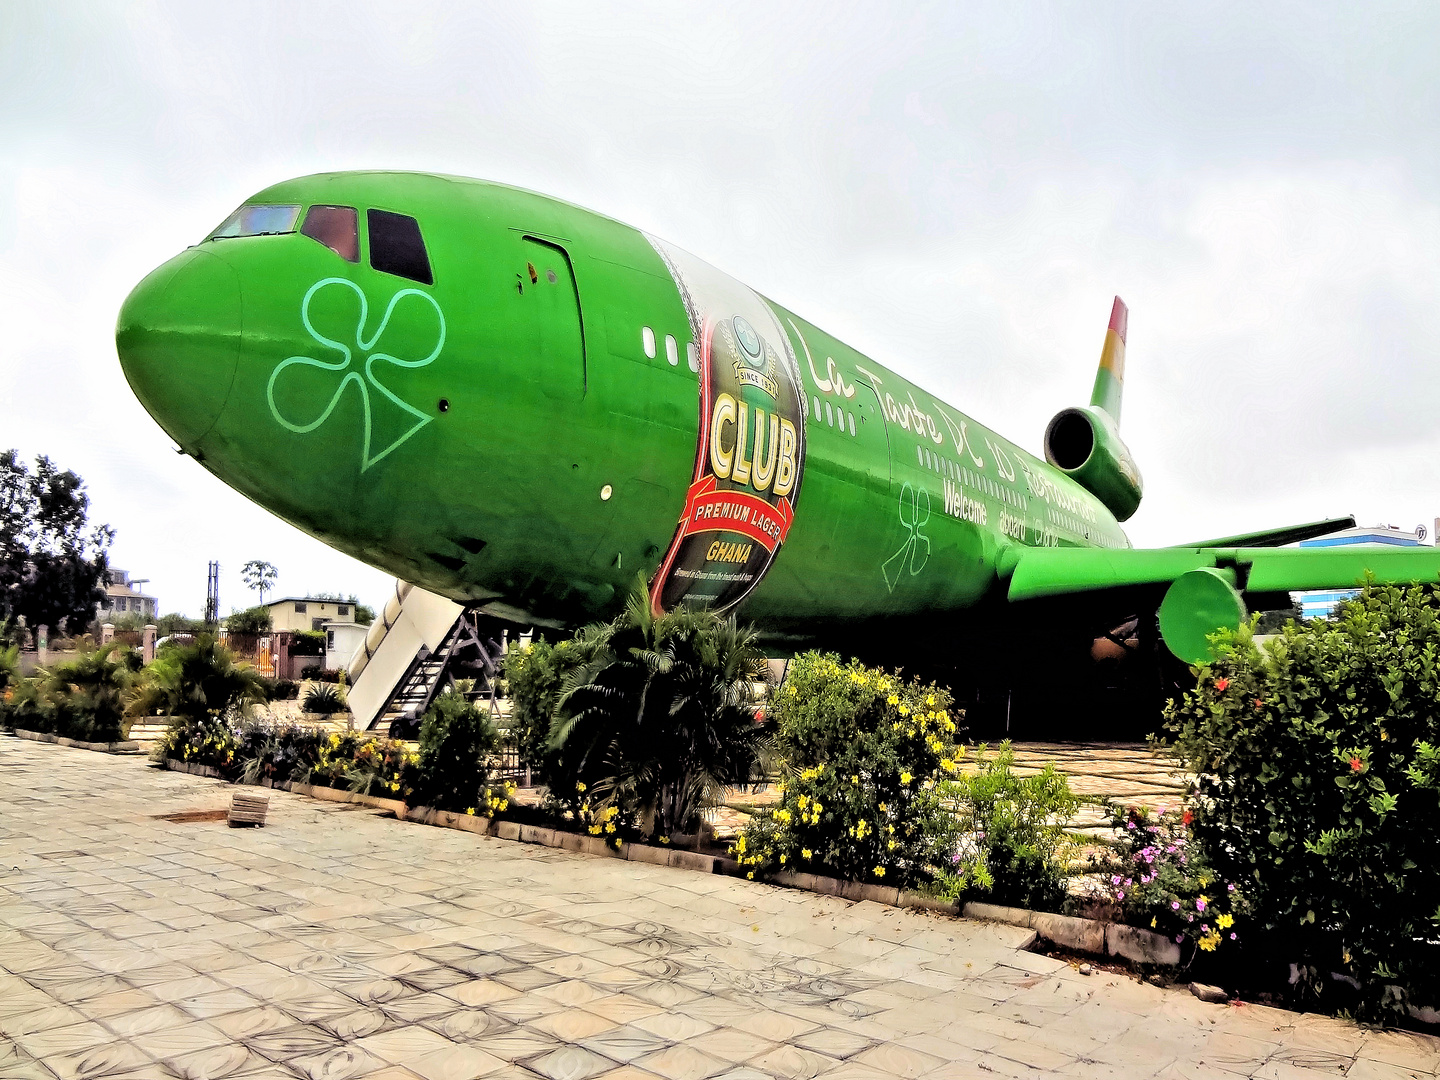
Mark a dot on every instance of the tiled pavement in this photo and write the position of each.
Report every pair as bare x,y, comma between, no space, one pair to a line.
339,943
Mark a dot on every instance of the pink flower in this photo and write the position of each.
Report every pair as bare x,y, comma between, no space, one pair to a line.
1200,904
1174,905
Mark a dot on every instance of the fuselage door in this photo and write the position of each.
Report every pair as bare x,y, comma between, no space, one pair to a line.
548,291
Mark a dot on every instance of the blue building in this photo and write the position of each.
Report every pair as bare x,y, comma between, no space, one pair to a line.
1320,603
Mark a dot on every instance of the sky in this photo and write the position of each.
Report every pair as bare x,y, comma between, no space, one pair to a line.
956,190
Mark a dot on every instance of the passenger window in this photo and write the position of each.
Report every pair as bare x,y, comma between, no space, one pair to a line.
337,228
396,246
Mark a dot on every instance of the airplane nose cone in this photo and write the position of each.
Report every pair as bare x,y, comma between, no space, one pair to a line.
178,337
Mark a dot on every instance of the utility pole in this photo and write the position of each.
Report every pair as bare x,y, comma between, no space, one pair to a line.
212,596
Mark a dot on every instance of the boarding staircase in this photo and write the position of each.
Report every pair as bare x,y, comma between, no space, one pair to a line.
421,644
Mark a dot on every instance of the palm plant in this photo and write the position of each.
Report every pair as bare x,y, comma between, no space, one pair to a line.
85,698
324,699
662,719
200,682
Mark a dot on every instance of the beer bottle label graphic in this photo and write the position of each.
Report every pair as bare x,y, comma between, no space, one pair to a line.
750,456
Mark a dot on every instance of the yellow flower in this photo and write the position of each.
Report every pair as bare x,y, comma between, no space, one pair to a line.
892,845
883,808
805,853
750,874
879,871
664,839
580,788
1210,940
1225,921
905,778
930,700
904,710
892,700
1152,924
471,811
782,858
740,846
594,830
610,828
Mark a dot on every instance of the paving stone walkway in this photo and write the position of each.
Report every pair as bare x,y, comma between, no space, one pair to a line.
339,943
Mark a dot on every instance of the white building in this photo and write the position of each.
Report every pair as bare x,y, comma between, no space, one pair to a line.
1320,603
123,597
341,641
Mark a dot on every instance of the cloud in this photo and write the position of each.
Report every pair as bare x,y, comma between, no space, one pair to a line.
956,190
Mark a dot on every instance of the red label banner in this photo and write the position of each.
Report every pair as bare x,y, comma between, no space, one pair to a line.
710,510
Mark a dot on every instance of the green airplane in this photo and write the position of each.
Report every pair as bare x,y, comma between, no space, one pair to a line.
522,405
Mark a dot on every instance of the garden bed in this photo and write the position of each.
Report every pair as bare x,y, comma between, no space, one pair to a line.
128,746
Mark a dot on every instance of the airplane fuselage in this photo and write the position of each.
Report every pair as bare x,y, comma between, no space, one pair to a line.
566,404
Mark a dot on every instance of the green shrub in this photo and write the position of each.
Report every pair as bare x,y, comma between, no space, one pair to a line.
1157,876
1010,841
861,752
85,698
534,679
456,741
1318,765
324,699
9,680
661,720
205,693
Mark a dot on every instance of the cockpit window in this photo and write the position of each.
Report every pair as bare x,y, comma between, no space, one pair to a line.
335,227
396,246
261,219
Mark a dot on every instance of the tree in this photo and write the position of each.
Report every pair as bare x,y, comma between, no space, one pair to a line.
52,565
255,620
259,576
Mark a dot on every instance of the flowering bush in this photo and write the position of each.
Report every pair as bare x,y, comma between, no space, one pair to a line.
1158,876
861,751
275,752
365,764
1010,841
1319,789
199,740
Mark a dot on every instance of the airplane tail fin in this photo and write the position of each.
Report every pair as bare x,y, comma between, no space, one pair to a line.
1110,379
1085,443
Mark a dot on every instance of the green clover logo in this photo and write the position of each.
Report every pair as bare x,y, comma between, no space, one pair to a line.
364,383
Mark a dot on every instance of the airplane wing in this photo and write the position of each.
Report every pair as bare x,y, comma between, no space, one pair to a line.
1206,586
1060,571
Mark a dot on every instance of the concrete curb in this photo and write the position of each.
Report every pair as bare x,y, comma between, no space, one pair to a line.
577,842
1086,935
129,746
